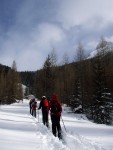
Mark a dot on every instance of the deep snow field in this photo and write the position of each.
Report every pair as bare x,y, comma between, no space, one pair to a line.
20,131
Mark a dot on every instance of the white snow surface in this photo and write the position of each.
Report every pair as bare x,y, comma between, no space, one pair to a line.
20,131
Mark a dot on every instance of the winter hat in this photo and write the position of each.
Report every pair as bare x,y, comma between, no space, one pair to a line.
43,97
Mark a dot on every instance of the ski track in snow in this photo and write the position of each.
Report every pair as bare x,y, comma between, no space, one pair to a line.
17,126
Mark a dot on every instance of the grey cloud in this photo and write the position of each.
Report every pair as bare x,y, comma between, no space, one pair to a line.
40,26
76,12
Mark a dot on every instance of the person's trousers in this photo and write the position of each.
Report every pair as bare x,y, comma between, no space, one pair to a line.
30,110
34,113
45,118
56,128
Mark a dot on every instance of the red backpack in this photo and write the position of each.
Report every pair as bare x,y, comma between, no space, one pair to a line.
55,107
45,103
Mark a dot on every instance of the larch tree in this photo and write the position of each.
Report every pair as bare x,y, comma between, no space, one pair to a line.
78,91
48,77
66,77
14,85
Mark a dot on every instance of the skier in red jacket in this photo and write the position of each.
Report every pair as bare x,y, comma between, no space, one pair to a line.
56,110
44,105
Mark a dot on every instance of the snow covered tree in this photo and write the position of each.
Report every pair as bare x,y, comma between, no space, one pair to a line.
103,103
107,106
75,98
80,72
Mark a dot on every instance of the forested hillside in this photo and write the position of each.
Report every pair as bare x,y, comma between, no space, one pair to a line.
84,84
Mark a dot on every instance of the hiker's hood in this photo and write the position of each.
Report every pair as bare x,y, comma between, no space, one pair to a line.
55,97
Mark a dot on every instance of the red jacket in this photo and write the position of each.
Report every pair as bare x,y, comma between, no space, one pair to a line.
44,108
34,106
52,102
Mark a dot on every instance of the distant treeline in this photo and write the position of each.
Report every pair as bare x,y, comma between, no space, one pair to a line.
10,84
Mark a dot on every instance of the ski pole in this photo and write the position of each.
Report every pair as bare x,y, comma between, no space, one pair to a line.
38,115
63,124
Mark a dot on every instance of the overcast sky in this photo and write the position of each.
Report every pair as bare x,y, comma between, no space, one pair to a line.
30,29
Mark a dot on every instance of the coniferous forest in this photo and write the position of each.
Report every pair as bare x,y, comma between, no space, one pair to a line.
86,85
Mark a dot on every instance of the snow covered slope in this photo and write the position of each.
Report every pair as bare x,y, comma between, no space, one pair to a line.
109,47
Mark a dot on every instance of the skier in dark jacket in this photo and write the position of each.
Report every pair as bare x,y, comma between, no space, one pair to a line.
44,105
34,106
56,110
30,105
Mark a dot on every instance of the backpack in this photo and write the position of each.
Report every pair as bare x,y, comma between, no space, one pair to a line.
30,103
34,104
55,108
45,103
